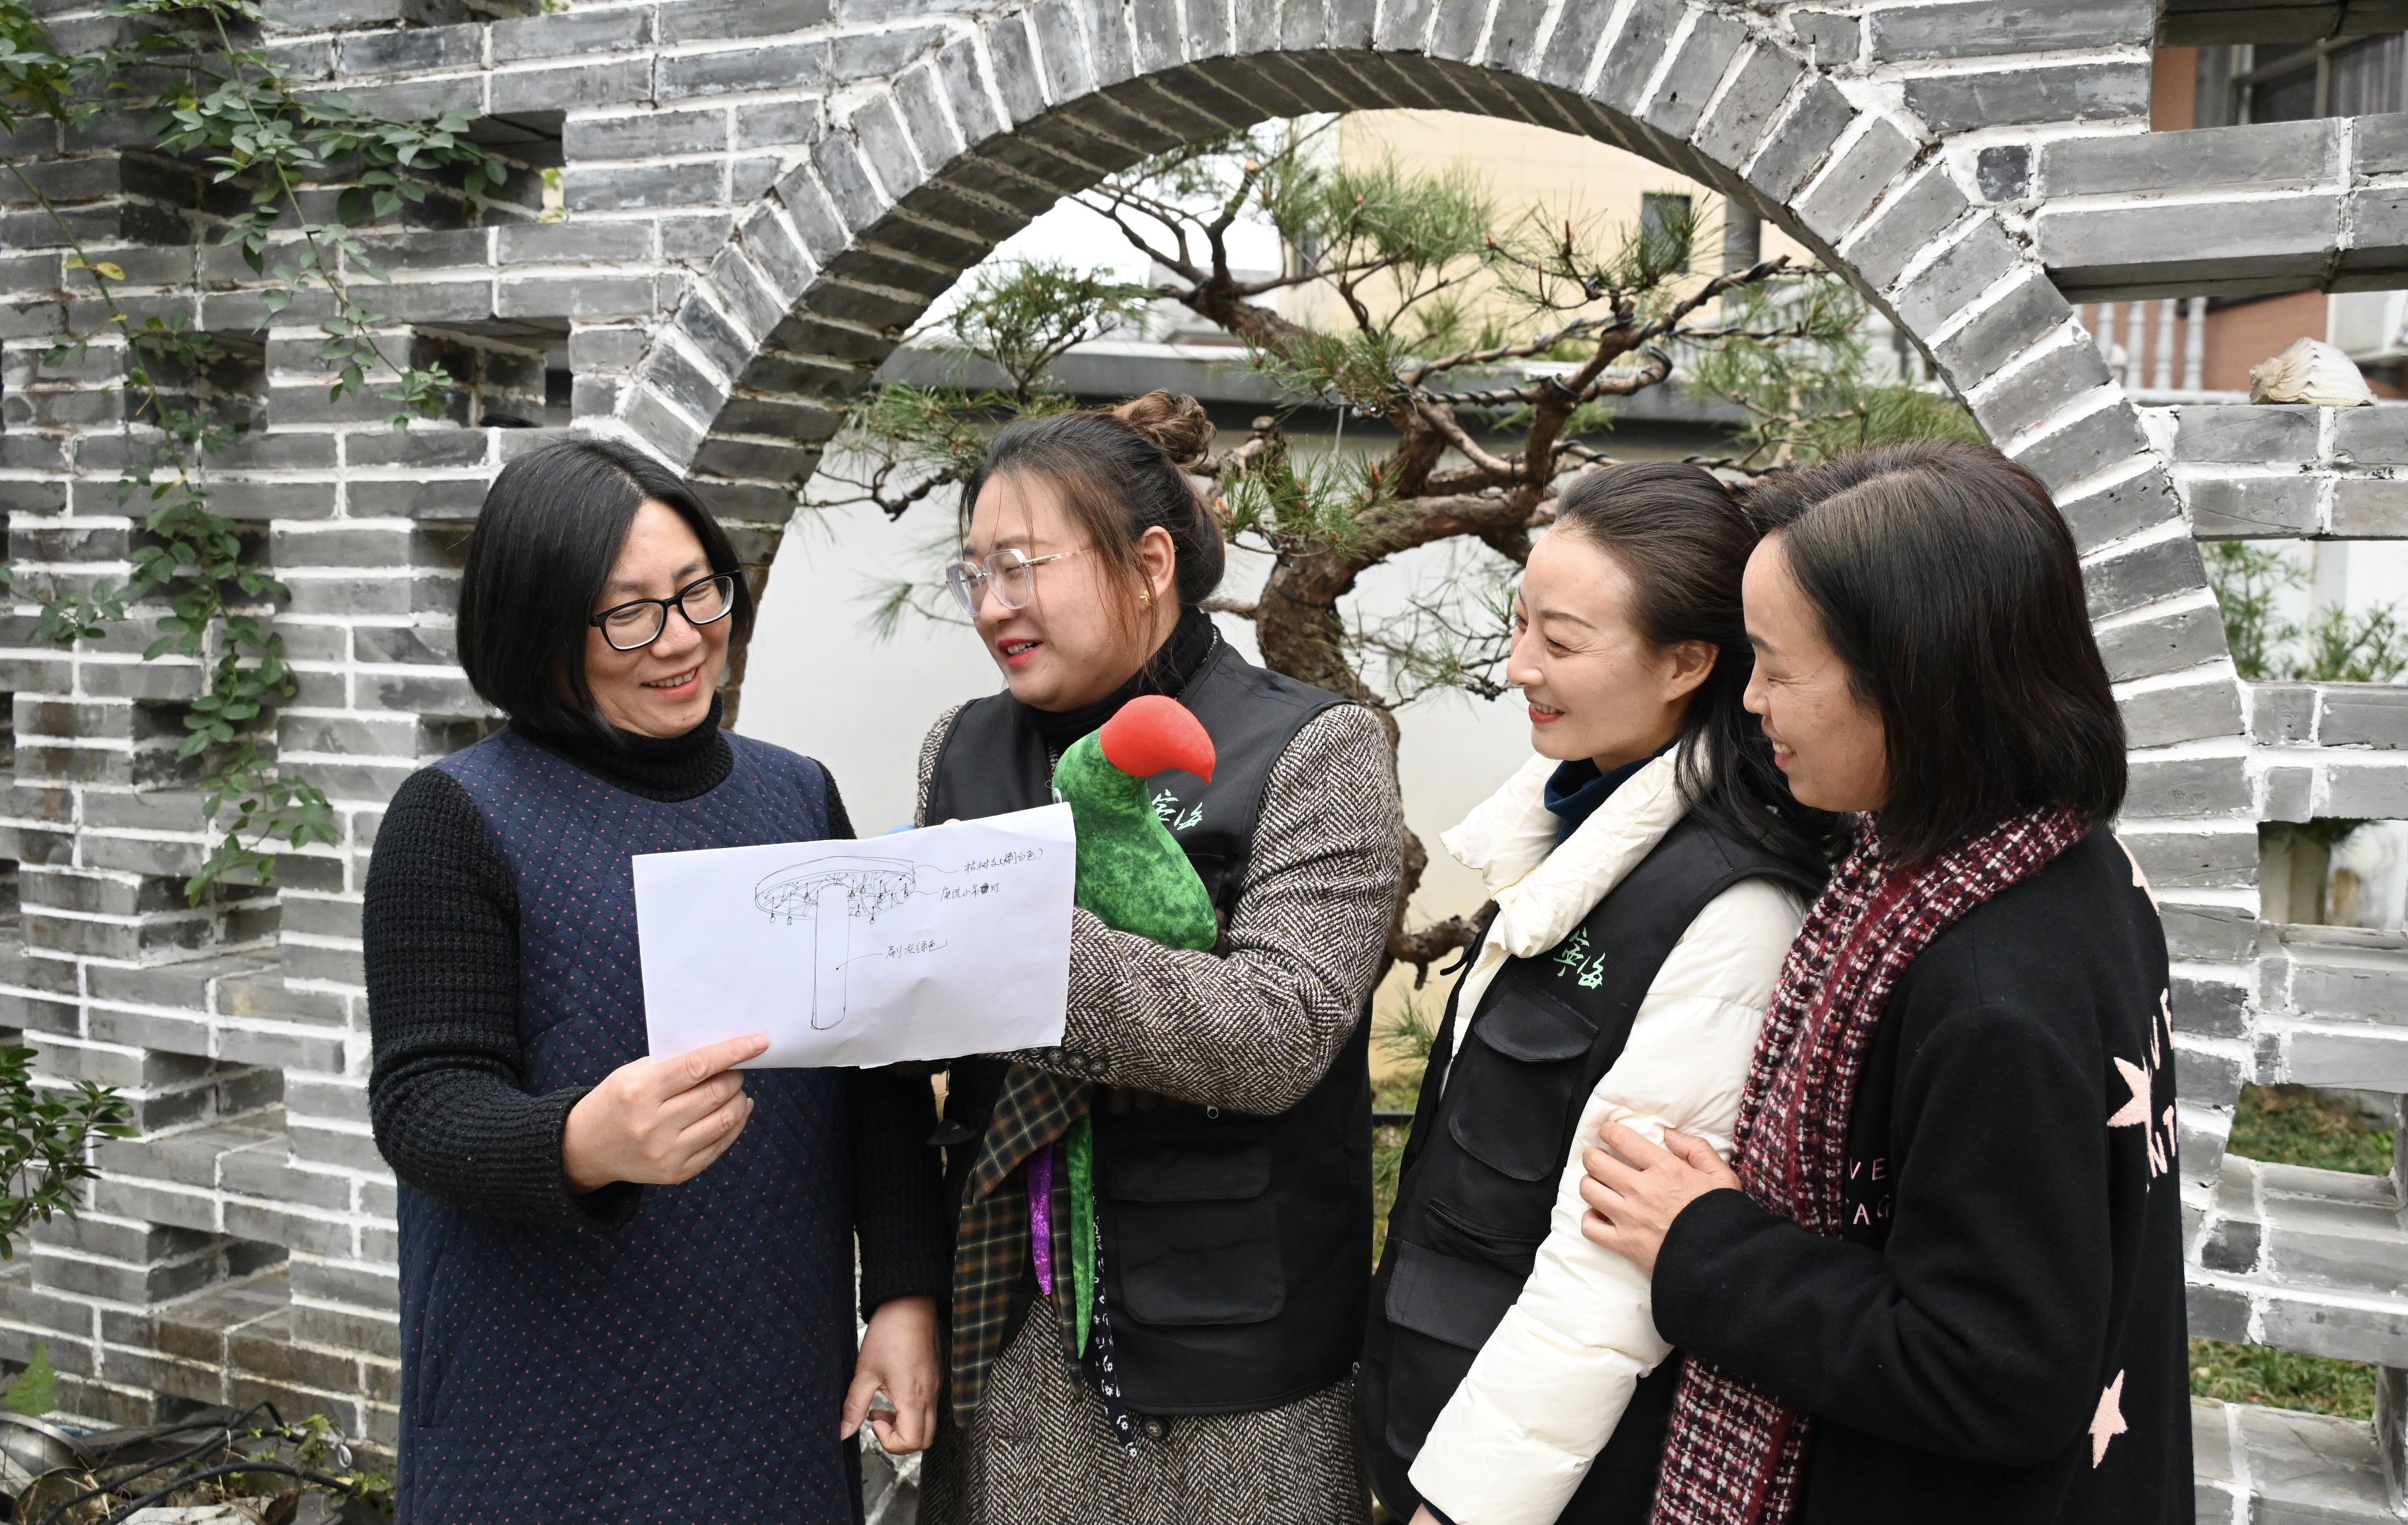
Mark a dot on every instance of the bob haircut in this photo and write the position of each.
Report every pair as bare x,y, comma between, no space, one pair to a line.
1683,540
550,532
1947,581
1121,472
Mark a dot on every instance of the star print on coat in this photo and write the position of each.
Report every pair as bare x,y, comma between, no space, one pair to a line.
2136,1111
2107,1422
2140,1081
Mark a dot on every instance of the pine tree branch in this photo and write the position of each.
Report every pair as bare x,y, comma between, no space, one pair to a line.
1491,355
1442,418
1427,945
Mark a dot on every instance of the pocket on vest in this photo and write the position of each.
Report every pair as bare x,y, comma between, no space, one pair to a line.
1195,1230
1513,1089
1441,1311
1453,1231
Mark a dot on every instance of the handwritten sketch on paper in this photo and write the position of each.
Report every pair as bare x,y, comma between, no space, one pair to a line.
925,945
832,894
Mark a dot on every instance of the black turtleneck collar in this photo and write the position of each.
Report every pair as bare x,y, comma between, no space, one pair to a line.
663,768
1174,663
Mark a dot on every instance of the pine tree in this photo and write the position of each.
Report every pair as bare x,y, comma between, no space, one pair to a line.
1477,355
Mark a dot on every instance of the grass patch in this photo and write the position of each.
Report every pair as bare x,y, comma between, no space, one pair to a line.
1396,1093
2252,1373
2291,1125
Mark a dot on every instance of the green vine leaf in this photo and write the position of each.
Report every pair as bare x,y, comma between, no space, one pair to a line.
228,103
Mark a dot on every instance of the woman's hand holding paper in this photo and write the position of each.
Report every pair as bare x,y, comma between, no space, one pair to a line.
659,1122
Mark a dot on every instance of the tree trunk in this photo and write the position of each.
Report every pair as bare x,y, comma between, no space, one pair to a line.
1298,626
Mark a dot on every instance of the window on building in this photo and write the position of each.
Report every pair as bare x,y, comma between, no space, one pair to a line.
1665,217
2343,77
2367,76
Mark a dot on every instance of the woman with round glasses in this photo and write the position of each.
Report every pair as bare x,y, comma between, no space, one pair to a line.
627,1285
1229,1091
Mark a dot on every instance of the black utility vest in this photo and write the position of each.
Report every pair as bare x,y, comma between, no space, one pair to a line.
1237,1249
1477,1185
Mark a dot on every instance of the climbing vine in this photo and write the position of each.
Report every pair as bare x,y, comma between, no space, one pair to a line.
215,100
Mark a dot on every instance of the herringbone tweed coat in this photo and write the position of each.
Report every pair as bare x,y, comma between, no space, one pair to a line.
1253,1031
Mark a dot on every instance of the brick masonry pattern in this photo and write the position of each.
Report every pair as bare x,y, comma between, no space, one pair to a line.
761,195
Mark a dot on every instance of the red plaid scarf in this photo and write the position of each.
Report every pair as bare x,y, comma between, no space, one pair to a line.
1734,1454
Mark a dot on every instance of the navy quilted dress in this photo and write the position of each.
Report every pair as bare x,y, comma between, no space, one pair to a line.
689,1364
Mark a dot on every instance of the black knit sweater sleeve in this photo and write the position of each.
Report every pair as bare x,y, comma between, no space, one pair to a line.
897,1188
446,1092
897,1177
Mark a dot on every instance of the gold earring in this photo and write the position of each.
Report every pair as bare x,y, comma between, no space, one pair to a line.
1144,598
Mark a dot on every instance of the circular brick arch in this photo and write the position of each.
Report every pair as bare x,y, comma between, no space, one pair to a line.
925,172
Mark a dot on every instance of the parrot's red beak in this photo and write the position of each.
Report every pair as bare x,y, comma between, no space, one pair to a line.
1154,734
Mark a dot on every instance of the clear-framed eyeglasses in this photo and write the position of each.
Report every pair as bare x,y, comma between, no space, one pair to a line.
638,623
1011,573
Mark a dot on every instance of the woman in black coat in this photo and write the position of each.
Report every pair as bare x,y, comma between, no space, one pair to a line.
627,1285
1945,1281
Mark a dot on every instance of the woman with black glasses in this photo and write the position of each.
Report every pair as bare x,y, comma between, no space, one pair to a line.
626,1285
1229,1089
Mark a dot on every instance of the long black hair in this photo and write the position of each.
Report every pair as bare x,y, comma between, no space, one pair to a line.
1683,538
550,532
1947,581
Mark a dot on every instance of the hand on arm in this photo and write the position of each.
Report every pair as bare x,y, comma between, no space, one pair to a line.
1548,1389
660,1121
1974,1328
1635,1188
901,1360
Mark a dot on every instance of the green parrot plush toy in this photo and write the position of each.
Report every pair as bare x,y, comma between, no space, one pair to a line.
1133,877
1132,874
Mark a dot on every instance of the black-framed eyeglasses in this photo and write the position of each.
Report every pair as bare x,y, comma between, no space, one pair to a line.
638,623
1011,573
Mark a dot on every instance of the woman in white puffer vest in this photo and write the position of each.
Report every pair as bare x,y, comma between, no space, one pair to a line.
1649,870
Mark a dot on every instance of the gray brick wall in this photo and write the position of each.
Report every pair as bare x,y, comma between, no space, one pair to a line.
760,195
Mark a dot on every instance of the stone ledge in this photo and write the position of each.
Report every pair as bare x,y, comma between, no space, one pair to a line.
2359,716
2307,1228
2333,1008
2290,203
238,1343
2302,1259
2272,1466
2339,751
235,1007
2281,471
239,1176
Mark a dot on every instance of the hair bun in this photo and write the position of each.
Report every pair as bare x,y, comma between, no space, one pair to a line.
1175,422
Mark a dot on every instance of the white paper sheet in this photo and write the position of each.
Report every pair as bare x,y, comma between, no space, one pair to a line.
920,945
